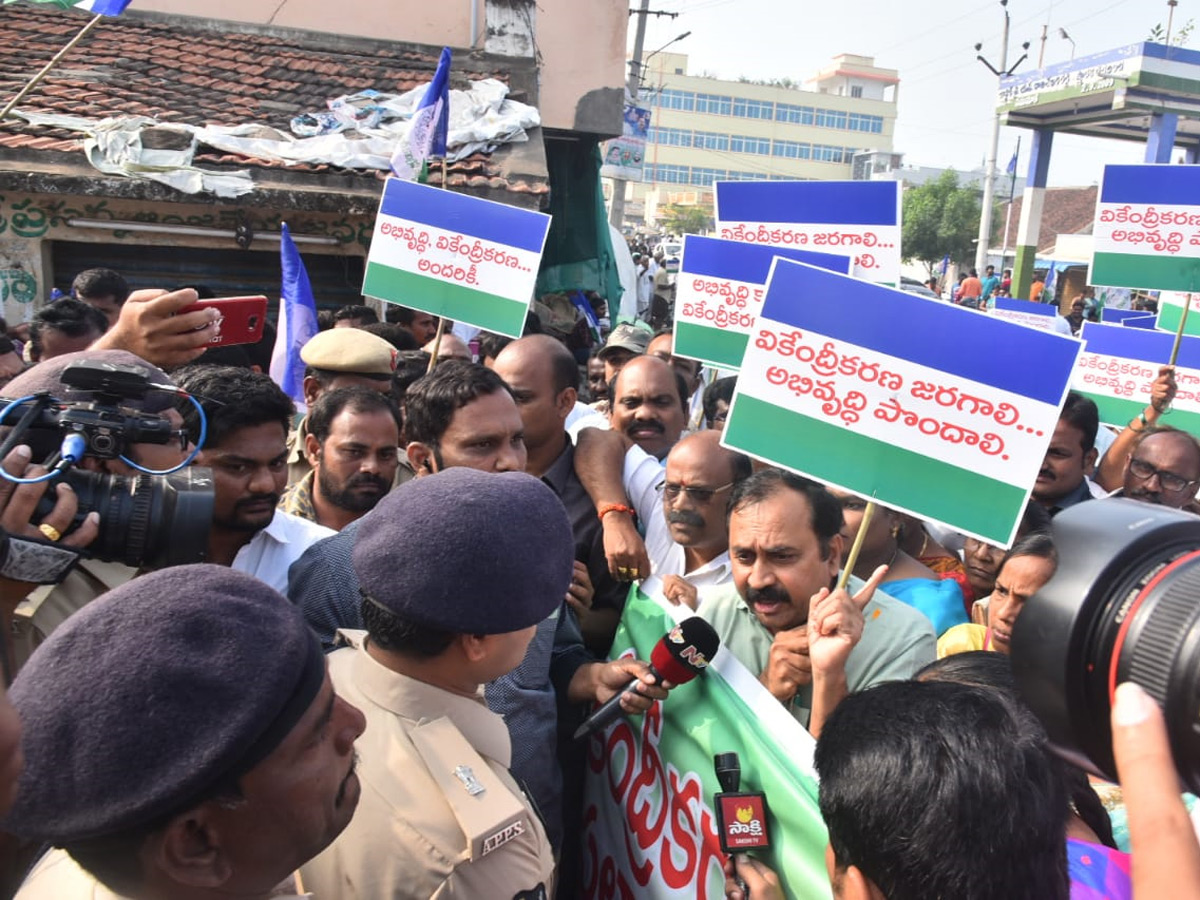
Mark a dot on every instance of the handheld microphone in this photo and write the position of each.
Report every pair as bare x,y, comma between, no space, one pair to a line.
683,653
741,816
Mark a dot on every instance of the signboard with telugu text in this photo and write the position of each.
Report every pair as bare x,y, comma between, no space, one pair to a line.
720,290
1025,312
870,395
1118,366
1147,228
453,255
858,218
1170,311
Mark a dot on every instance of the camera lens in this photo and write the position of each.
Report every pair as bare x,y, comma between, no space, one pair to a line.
1124,605
145,520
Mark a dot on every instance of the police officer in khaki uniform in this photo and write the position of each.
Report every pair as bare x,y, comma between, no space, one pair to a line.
440,815
336,358
168,756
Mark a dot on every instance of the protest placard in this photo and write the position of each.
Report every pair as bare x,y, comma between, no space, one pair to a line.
1118,366
720,291
625,156
649,826
861,218
1142,321
1170,311
1025,312
1147,228
920,405
457,256
1117,316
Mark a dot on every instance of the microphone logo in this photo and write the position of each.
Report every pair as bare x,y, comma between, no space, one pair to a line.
694,657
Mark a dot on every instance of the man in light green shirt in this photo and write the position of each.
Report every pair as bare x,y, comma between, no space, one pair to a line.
809,645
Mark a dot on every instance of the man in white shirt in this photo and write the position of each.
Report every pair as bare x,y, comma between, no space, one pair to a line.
246,448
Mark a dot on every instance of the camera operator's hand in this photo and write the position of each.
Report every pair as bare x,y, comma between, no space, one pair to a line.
149,327
19,501
1166,857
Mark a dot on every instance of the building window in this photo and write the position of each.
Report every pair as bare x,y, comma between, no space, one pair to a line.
753,109
790,149
715,104
705,177
856,90
742,144
826,153
793,115
870,124
830,118
670,137
709,140
667,174
672,99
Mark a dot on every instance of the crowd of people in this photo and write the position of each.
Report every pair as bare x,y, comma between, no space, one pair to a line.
405,605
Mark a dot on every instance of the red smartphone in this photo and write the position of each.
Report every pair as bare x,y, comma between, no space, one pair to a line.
242,318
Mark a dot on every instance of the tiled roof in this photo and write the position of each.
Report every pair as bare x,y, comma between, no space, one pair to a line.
195,71
1068,210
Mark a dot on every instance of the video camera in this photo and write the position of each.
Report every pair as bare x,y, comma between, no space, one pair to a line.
1124,605
149,519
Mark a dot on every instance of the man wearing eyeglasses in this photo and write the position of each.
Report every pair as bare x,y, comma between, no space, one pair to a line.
1164,468
689,543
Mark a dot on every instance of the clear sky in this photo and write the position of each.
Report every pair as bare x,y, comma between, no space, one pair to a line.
946,96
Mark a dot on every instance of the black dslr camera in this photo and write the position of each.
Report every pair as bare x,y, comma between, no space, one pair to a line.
147,519
1124,605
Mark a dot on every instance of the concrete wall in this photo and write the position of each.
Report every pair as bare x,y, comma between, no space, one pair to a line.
581,44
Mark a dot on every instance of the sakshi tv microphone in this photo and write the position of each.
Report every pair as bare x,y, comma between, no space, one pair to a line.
683,653
741,815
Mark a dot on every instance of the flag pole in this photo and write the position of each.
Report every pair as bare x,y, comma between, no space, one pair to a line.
33,82
852,559
441,329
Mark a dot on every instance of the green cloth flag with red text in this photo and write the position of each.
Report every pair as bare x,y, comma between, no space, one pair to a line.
649,827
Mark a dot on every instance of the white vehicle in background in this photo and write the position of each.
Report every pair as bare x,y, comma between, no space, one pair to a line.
671,251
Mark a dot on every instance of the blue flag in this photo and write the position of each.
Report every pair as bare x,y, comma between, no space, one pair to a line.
585,309
1012,165
945,264
1051,277
430,123
98,7
297,320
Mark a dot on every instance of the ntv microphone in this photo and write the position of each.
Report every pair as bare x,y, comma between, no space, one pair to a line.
741,815
683,653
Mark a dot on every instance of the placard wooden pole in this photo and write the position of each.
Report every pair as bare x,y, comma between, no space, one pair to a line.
852,559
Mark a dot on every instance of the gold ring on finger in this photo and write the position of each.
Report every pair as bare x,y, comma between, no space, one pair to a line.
51,533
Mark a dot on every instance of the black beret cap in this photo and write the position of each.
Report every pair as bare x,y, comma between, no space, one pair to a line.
154,694
467,552
47,376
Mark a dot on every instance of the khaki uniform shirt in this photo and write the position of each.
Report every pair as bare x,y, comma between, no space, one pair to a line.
49,605
419,832
58,877
297,462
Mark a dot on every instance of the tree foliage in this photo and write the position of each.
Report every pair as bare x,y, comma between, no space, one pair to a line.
681,220
940,218
1158,34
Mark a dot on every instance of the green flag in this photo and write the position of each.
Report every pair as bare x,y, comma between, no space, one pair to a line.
649,828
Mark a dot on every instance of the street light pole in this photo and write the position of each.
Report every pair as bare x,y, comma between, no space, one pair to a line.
989,179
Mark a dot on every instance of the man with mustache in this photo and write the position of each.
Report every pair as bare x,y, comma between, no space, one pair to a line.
1164,468
809,644
246,447
688,541
353,446
1070,459
649,404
